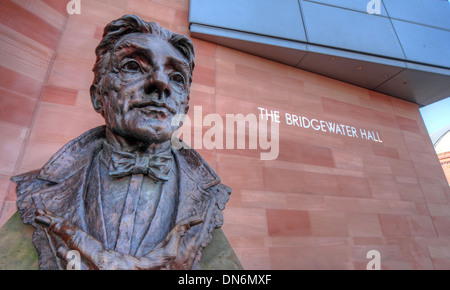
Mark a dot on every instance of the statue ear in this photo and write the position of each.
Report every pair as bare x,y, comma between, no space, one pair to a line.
96,100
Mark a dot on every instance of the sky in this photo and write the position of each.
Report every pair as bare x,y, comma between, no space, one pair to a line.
436,115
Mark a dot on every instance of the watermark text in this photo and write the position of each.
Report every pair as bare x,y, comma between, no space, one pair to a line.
74,7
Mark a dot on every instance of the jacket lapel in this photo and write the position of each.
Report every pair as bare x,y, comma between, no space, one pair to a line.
69,169
186,198
64,198
196,178
198,199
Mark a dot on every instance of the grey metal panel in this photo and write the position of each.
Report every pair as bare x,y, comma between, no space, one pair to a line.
350,30
275,18
427,68
429,12
419,87
358,5
358,69
424,44
355,55
280,50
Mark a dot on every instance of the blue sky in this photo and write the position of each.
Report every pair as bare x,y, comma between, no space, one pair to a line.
436,115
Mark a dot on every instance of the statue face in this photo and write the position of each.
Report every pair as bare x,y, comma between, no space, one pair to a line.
147,86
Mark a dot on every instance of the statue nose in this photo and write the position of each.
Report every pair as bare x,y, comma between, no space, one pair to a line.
158,82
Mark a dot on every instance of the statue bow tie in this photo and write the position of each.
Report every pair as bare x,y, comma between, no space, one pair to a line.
123,163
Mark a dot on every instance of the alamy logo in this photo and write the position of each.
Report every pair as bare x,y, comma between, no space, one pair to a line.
74,7
374,7
375,262
74,260
260,132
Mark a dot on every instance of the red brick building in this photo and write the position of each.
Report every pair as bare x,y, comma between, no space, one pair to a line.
441,143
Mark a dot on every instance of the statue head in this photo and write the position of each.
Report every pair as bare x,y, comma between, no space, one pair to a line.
142,78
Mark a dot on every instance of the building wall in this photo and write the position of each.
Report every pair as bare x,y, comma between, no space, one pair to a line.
322,204
444,158
30,33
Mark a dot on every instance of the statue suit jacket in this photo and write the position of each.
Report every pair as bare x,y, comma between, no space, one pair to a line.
60,186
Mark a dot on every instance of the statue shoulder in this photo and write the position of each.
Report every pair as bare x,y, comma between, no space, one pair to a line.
27,184
192,163
222,193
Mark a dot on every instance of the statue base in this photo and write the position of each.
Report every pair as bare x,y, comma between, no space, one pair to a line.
18,253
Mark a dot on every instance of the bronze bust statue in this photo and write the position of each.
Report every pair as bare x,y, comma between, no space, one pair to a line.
119,194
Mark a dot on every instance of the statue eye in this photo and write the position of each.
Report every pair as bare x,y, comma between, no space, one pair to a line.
131,66
178,78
